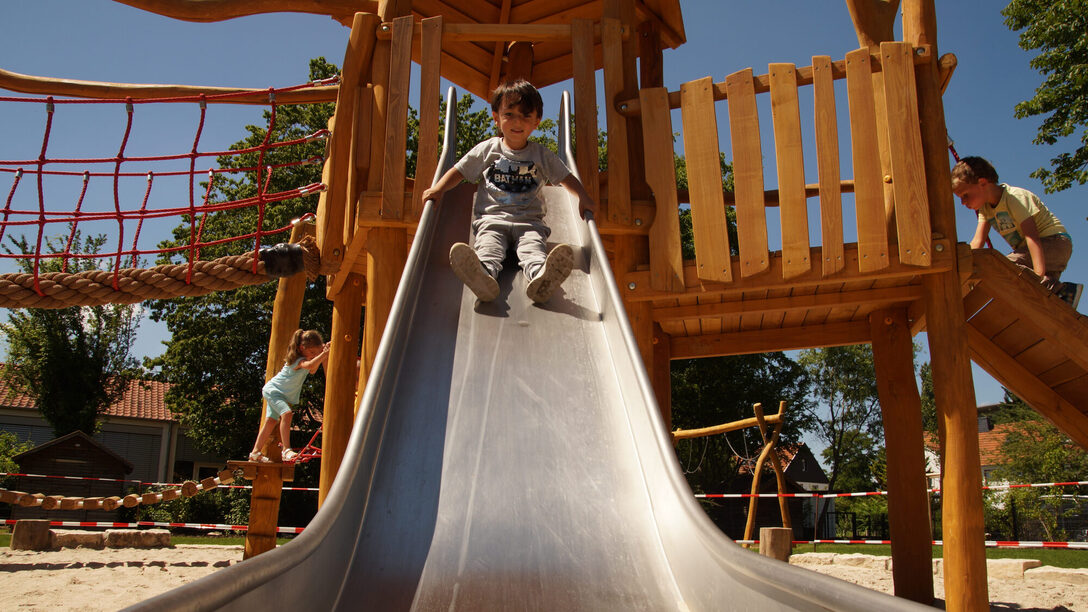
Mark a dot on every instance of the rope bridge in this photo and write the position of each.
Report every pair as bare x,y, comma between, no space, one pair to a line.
46,280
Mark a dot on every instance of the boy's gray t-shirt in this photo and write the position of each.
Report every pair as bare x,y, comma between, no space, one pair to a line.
512,180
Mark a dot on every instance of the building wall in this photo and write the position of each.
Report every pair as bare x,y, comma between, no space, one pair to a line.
156,449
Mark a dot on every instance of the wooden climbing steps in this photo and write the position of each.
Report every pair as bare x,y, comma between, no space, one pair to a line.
1029,340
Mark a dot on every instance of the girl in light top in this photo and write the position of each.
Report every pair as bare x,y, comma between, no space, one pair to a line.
305,355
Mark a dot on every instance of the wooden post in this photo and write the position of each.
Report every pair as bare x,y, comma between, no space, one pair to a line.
341,375
264,505
908,500
381,280
519,62
776,542
661,375
963,529
286,313
757,471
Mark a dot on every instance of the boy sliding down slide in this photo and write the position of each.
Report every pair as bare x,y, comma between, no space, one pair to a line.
509,208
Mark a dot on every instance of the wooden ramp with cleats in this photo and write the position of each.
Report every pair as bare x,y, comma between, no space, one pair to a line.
1030,340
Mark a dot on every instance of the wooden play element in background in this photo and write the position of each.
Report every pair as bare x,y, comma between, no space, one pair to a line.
761,421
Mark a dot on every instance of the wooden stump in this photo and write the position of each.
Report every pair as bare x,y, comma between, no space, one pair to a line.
776,542
32,534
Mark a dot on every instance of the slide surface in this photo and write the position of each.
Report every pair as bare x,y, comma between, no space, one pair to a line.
510,456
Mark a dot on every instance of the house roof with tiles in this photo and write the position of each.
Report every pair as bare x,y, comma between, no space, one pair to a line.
143,399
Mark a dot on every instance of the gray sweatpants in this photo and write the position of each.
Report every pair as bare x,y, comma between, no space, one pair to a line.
494,236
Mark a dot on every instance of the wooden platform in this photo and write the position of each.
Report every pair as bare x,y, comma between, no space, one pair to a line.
765,312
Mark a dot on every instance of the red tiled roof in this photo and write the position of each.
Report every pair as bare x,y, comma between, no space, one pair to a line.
989,443
143,399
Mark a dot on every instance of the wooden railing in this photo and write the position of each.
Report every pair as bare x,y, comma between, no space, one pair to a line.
888,111
891,208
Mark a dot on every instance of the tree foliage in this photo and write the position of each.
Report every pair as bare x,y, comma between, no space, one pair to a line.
1057,29
215,358
1036,451
844,384
717,390
73,361
219,342
10,445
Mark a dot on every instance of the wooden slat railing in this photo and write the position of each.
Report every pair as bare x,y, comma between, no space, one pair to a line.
897,117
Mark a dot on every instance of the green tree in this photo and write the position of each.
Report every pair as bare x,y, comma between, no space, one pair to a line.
849,419
11,445
717,390
215,358
1036,451
1056,28
73,361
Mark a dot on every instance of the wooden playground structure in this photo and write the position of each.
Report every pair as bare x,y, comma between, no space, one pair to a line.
905,274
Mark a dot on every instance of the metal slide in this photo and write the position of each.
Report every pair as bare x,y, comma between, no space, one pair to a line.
510,456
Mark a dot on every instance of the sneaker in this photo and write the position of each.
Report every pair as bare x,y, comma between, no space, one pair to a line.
258,457
555,270
1070,292
466,265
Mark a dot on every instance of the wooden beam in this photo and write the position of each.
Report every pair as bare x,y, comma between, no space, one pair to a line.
503,33
430,120
585,106
661,375
908,497
23,83
206,11
770,340
636,284
396,119
332,230
519,61
619,178
868,297
1028,387
874,20
500,48
702,432
341,379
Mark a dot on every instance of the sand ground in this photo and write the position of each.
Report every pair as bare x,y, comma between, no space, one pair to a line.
109,579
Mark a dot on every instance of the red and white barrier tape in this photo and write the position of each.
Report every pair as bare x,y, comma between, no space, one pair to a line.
869,493
989,543
206,526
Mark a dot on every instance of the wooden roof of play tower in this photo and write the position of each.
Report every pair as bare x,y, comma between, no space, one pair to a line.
478,65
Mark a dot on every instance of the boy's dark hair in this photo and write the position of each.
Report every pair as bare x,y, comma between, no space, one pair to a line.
521,94
970,169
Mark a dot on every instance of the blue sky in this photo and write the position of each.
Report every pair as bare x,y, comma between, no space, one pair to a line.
106,41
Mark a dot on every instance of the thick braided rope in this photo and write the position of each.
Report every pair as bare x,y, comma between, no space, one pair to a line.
95,287
58,502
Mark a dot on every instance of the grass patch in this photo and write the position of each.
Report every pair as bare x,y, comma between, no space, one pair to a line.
1054,557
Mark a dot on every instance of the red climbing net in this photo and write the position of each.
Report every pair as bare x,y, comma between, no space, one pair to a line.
51,196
